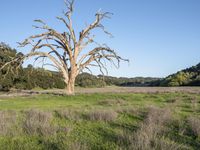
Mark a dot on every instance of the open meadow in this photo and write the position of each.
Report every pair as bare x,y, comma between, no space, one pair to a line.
141,118
100,75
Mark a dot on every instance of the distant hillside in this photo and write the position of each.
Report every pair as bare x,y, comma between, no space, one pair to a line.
186,77
136,81
89,80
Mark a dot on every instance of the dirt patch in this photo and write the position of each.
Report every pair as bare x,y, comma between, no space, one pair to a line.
18,93
139,90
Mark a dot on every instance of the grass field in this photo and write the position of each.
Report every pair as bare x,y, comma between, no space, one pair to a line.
101,121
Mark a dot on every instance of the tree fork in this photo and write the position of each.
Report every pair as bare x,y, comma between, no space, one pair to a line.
65,49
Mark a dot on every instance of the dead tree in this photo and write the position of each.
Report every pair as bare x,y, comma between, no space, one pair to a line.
65,50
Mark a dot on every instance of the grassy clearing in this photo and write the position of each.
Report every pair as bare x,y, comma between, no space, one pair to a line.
101,121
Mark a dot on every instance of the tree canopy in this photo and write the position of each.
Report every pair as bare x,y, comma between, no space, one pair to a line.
186,77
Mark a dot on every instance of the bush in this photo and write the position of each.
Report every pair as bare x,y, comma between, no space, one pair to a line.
150,134
38,123
102,115
7,121
88,80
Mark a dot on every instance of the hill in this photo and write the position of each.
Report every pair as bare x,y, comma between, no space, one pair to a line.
186,77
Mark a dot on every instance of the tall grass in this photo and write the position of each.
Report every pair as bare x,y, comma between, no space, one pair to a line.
152,132
194,123
36,122
100,122
101,115
7,120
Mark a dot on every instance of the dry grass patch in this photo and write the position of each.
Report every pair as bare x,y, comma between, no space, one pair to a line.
151,132
131,111
68,114
194,103
101,115
158,116
7,121
37,122
194,123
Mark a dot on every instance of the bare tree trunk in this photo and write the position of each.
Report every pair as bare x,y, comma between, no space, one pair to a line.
70,86
69,61
70,83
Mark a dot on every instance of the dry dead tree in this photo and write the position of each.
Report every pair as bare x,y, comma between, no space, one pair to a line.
64,49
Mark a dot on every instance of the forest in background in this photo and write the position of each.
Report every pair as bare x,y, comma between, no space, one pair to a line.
30,77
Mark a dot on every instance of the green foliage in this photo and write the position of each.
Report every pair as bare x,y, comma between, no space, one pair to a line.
36,77
6,55
25,78
137,81
187,77
88,80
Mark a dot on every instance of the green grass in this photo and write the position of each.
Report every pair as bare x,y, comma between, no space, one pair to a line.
89,121
85,100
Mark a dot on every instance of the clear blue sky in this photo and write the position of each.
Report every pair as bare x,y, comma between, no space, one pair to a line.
159,37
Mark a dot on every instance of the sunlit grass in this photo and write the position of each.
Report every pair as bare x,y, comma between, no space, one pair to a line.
98,121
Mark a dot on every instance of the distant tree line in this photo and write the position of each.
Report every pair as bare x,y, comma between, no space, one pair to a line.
25,78
30,77
137,81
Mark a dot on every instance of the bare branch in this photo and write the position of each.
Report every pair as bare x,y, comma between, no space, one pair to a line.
63,49
64,21
47,64
57,37
99,17
98,54
70,6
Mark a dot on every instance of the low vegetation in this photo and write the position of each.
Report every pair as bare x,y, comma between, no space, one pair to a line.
186,77
101,121
25,78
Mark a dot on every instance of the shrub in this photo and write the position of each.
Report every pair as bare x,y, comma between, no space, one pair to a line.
7,120
88,80
38,123
67,114
158,116
102,115
151,130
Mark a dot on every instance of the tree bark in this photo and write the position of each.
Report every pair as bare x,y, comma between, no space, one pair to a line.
68,60
70,86
70,83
